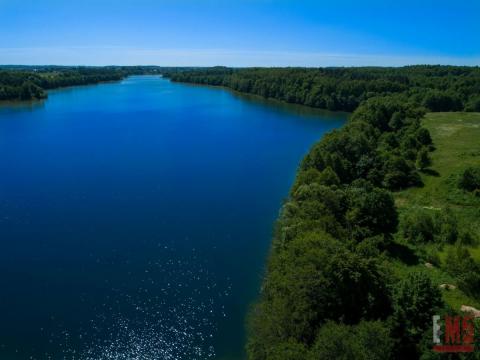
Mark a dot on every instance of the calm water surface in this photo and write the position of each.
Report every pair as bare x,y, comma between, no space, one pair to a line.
135,217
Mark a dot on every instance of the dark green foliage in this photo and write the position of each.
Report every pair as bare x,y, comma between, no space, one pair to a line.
289,350
460,264
423,136
423,159
360,150
473,104
328,177
470,179
438,88
415,301
27,83
466,238
371,211
399,173
423,226
29,90
418,227
365,341
313,279
446,227
436,100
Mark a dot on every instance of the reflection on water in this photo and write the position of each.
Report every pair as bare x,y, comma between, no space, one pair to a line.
281,106
170,315
31,105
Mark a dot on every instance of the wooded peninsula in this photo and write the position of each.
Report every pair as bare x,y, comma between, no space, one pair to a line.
32,82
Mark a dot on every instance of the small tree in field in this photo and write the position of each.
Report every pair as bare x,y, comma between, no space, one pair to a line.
470,179
423,159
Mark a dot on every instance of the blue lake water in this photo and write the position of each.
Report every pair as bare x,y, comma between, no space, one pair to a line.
136,217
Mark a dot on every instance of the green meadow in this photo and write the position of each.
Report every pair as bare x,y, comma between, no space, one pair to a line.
456,138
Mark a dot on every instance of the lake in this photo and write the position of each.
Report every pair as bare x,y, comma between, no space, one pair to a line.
136,217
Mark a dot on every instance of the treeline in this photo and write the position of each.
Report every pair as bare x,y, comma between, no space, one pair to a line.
438,88
329,290
27,83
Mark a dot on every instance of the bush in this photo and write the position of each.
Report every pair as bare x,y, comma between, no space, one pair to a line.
430,254
415,300
423,137
446,227
470,179
418,227
467,238
460,264
423,159
473,104
365,341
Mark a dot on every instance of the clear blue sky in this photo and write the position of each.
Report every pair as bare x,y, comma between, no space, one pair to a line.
239,32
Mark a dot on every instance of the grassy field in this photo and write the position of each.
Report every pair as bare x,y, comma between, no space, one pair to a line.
456,137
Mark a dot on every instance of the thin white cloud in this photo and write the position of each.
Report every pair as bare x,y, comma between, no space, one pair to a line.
211,57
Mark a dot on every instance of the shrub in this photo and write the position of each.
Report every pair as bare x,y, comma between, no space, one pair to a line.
423,159
365,341
423,136
399,174
470,179
473,104
460,264
446,226
467,238
415,300
418,227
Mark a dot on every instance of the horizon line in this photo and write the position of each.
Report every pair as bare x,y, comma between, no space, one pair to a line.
129,56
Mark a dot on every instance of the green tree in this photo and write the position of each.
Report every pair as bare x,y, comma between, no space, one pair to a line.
423,159
418,227
473,104
423,137
316,278
470,179
328,177
415,301
460,264
371,211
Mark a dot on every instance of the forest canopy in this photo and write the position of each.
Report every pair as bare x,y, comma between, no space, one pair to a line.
437,88
28,83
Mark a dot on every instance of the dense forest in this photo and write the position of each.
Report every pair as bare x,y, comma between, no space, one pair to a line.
28,83
330,290
438,88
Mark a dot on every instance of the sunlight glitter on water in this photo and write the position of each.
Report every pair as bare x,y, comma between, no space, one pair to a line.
172,316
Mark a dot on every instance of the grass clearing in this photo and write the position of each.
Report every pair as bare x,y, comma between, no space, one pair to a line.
456,137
